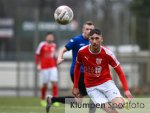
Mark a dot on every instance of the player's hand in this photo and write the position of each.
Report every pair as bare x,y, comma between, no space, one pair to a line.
59,61
76,92
128,95
38,67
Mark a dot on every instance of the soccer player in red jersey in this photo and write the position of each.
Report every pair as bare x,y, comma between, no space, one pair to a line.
98,81
46,64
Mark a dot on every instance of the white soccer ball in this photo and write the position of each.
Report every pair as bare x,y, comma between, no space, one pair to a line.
63,15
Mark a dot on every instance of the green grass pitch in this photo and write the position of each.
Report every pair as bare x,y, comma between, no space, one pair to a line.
25,105
32,105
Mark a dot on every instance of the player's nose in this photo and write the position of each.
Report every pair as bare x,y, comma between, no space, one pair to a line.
94,40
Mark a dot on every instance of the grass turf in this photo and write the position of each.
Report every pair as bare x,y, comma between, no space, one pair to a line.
25,105
32,105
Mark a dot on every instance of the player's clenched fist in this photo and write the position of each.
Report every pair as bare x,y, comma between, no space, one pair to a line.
76,92
59,60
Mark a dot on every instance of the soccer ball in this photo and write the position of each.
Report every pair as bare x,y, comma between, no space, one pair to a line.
63,15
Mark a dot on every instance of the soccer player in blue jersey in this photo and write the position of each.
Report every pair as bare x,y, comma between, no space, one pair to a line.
74,44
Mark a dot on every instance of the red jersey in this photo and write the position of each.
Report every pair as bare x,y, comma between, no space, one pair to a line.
96,66
45,54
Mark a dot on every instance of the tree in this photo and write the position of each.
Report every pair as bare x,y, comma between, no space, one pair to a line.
141,10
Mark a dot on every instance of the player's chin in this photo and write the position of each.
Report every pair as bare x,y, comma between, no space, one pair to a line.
95,46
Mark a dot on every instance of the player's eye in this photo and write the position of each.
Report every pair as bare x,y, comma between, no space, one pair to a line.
92,38
88,29
97,38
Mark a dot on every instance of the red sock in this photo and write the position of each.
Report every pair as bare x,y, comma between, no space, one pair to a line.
55,90
43,92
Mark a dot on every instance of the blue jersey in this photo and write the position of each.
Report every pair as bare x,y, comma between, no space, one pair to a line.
75,44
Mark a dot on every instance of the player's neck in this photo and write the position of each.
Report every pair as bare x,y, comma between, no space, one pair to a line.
84,36
49,42
95,50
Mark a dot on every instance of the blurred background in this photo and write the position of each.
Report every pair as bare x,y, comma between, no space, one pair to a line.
23,24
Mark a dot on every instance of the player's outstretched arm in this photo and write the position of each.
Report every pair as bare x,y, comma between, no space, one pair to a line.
76,80
37,62
60,58
76,92
123,81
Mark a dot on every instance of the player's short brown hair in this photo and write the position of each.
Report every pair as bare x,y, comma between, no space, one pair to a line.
49,33
88,23
96,31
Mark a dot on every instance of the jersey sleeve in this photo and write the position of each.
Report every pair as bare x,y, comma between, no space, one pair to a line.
112,59
77,69
37,59
70,44
79,57
38,53
122,77
38,50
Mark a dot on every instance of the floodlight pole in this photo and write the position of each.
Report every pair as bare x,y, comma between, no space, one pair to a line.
36,24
